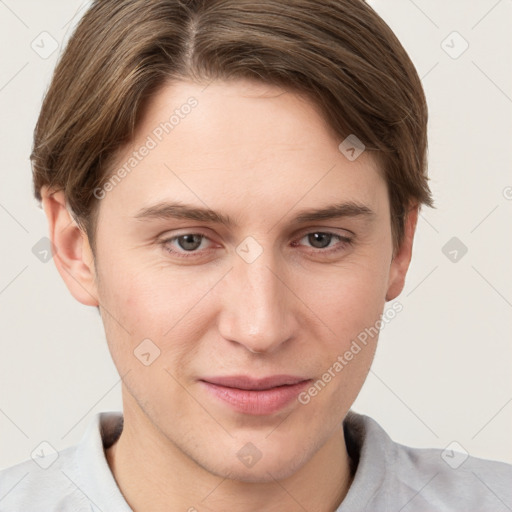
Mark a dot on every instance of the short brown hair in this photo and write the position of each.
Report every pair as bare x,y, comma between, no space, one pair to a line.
339,53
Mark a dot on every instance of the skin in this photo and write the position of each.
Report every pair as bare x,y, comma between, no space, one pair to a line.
293,310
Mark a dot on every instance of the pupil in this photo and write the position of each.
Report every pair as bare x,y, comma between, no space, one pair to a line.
191,242
194,240
314,239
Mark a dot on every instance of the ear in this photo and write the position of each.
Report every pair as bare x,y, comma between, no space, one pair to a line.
402,256
73,256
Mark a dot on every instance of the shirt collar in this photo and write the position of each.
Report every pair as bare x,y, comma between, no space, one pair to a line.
369,447
96,480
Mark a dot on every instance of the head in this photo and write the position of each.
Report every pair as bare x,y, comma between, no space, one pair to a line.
257,114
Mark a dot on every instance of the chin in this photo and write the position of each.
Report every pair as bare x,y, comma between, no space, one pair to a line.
262,474
276,465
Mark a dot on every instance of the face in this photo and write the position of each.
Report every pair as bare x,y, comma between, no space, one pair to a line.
261,290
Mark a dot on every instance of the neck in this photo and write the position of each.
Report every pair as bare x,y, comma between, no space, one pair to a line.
154,474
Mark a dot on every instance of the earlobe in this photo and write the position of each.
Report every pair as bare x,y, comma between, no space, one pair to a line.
73,256
402,257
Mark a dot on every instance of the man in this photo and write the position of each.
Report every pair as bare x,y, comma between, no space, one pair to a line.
235,185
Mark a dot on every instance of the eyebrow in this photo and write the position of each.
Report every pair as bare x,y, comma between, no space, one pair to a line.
177,210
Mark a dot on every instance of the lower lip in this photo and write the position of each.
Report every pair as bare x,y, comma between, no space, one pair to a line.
265,401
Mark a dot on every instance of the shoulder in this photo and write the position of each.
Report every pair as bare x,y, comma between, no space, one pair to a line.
393,475
31,485
76,478
454,480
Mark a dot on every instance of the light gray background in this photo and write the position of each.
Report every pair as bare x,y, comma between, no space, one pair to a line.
442,372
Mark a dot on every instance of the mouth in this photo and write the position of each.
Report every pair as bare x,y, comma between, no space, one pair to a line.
256,396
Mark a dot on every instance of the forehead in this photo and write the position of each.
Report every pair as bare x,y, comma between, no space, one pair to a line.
239,142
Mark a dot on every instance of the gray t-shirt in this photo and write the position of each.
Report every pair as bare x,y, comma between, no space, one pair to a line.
389,477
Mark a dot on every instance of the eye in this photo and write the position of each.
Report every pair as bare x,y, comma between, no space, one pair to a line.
321,241
180,245
191,244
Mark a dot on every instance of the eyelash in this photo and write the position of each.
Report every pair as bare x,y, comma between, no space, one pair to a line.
344,242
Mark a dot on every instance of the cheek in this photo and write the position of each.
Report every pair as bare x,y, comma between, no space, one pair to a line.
146,296
150,335
143,303
348,298
350,304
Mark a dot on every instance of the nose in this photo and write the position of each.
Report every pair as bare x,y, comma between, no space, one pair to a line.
257,305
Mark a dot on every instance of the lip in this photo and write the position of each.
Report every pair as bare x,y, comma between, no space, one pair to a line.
261,396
